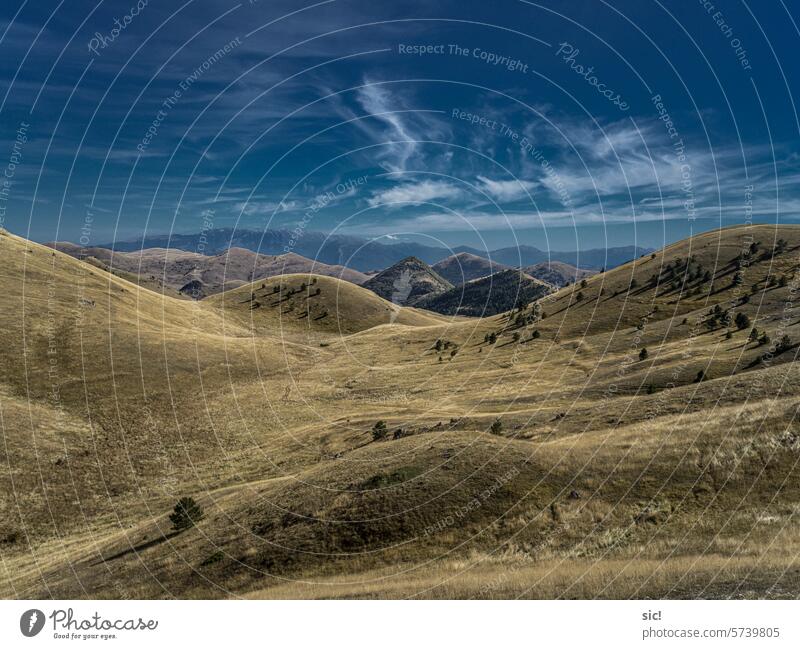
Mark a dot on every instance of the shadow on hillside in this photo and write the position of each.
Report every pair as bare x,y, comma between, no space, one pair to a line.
137,548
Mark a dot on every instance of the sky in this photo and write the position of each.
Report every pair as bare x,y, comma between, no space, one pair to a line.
564,125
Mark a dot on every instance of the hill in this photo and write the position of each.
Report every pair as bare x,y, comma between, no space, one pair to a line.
464,267
557,273
407,281
530,454
199,275
311,303
487,296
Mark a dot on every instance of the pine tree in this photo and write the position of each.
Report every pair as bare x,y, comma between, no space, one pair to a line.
186,513
379,430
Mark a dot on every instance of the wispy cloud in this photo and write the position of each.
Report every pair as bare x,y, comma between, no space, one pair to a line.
506,191
254,208
415,192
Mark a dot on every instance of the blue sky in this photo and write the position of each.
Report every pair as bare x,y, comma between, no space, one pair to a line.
556,124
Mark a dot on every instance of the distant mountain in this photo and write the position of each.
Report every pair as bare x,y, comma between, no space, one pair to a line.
198,276
487,296
407,281
594,259
364,255
464,267
557,273
352,252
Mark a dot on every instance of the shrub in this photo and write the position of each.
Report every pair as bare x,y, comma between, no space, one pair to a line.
536,334
379,430
185,514
643,354
497,427
579,296
764,339
492,338
783,344
701,376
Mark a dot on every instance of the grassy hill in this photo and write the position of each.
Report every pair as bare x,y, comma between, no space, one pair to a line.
527,454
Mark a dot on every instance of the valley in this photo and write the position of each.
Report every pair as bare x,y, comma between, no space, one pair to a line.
631,433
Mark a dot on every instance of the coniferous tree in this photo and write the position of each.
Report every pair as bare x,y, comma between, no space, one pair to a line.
185,514
379,430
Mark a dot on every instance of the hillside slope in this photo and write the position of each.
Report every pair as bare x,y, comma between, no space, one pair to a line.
537,453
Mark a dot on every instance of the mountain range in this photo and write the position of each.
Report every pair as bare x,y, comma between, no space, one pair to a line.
366,255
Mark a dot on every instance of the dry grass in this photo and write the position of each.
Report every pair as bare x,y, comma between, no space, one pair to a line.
611,477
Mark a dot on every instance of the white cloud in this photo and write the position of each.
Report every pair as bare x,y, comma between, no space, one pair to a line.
417,192
506,191
376,101
252,208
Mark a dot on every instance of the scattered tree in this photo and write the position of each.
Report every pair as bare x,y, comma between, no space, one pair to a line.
742,320
185,514
535,334
701,376
643,354
497,427
379,430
